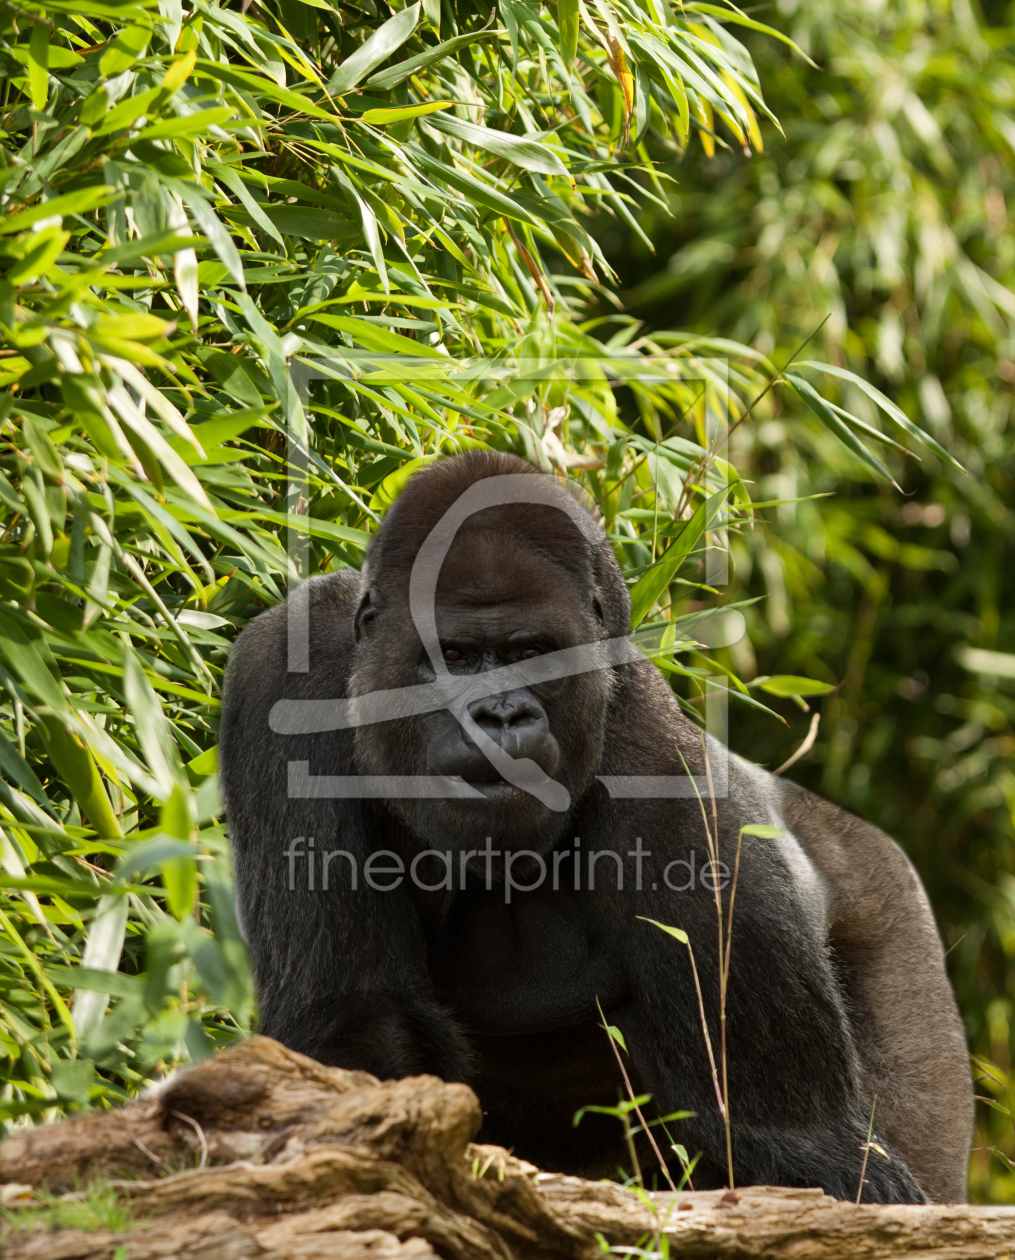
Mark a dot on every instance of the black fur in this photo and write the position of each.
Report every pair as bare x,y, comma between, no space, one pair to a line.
504,996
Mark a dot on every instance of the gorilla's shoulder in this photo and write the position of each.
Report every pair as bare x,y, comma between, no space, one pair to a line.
341,587
855,855
333,598
260,654
827,818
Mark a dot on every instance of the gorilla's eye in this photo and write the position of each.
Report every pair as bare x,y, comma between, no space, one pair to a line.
452,655
529,653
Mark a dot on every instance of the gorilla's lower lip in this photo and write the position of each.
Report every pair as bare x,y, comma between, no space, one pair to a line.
497,790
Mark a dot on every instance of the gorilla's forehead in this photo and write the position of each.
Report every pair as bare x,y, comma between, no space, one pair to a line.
509,621
487,567
496,588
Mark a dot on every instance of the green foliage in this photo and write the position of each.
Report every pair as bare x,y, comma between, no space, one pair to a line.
258,265
97,1207
887,206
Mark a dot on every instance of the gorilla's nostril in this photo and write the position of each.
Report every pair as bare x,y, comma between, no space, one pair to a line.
517,722
509,719
499,714
525,716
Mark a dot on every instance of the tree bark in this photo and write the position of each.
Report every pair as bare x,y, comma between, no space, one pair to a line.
262,1154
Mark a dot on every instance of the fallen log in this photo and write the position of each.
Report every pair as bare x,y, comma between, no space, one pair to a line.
775,1222
259,1153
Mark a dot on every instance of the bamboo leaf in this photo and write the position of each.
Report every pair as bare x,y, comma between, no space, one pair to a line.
261,86
398,113
647,590
78,202
413,65
210,224
617,1036
388,38
38,64
8,928
151,727
77,768
123,50
57,57
678,934
792,685
890,409
106,933
530,155
568,21
740,19
189,125
805,390
126,409
95,981
471,187
179,874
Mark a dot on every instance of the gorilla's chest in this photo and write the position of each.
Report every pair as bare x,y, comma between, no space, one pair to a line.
531,966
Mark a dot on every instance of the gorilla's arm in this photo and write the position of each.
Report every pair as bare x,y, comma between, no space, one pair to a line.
908,1029
798,1109
799,1095
342,975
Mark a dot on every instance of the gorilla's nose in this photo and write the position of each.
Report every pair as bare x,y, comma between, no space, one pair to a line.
512,719
518,722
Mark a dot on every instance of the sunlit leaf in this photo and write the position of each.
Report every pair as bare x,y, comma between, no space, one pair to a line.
568,17
388,38
792,685
38,64
892,410
399,113
647,590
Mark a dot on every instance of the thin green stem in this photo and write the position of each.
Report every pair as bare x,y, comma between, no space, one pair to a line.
637,1110
866,1151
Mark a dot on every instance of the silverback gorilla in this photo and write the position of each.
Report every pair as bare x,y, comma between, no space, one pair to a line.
467,927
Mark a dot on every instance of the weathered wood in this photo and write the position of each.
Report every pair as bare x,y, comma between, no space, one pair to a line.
774,1222
246,1100
262,1154
364,1192
220,1237
815,1227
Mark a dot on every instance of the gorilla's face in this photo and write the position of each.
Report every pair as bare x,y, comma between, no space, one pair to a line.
499,601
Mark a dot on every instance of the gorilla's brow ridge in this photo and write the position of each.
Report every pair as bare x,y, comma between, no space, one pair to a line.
449,691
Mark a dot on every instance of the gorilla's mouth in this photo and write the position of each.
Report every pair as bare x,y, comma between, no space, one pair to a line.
493,789
514,726
498,791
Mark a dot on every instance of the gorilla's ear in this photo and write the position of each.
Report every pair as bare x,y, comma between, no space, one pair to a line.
365,615
611,602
